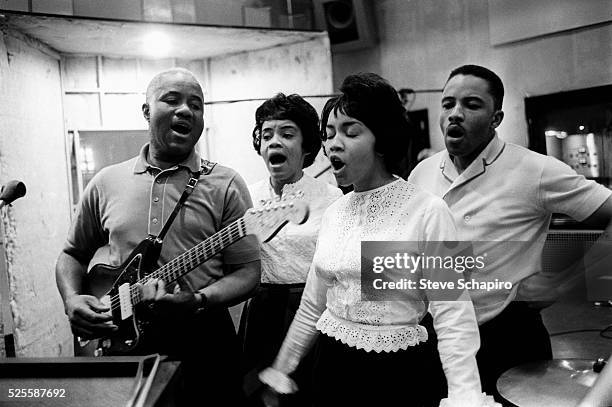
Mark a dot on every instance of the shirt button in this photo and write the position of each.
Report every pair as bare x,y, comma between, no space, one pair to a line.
156,199
154,221
467,218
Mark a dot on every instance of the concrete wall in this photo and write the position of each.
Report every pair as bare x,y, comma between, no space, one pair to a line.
107,93
303,68
422,40
32,150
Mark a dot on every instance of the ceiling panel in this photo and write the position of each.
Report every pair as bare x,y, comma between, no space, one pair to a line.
78,35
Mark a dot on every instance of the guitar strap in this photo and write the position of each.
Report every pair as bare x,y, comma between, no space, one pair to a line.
205,169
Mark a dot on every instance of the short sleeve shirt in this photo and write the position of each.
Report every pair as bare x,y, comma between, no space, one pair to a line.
508,193
126,202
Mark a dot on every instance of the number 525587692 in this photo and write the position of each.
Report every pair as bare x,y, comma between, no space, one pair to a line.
36,393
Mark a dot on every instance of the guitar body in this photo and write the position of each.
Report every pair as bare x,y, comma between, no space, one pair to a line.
106,282
113,285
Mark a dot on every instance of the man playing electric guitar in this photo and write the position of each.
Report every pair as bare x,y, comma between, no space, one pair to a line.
125,203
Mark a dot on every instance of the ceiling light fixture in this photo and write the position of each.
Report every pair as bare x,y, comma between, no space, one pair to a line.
156,44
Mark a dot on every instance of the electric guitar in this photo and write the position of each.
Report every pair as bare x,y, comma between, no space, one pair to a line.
124,299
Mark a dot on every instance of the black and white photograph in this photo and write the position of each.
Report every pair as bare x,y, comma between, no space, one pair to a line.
306,203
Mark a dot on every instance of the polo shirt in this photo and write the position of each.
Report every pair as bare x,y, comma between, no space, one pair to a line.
507,194
126,202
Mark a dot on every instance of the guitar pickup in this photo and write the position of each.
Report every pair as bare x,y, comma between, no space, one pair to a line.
125,301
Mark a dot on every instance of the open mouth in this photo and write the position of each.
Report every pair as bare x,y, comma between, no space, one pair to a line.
181,128
277,158
454,131
336,163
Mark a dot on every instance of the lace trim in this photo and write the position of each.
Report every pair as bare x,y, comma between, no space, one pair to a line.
368,210
378,338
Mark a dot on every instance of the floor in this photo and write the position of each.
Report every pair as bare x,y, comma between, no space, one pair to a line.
562,317
575,329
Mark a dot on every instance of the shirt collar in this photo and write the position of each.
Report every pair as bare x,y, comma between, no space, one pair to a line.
192,162
299,185
486,157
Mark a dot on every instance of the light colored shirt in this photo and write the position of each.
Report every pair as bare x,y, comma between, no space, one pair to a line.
332,302
507,194
287,257
125,202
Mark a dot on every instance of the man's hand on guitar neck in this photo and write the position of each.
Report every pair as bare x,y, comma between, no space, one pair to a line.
88,316
180,301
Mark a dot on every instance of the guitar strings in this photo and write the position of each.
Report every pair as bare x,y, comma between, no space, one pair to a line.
226,236
179,263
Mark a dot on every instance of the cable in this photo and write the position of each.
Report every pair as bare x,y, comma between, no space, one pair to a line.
330,95
574,332
603,332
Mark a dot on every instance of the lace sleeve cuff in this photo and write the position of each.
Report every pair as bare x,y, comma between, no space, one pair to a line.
277,380
470,400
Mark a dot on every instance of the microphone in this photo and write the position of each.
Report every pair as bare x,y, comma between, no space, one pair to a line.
11,191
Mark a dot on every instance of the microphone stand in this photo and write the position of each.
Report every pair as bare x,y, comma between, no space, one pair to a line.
6,317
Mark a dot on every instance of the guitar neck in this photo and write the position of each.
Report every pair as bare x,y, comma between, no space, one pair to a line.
192,258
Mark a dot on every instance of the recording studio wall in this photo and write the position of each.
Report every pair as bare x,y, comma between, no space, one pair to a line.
32,149
420,41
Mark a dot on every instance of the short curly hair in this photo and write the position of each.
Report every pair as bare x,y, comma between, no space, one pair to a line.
373,101
299,111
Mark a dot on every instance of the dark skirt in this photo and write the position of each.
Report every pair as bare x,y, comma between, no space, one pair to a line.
264,324
346,376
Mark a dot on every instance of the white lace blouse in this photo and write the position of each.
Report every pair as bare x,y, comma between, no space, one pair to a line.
331,303
287,258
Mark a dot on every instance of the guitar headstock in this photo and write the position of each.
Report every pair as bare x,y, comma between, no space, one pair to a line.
267,220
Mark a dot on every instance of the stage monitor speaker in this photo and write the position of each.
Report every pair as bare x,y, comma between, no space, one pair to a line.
349,23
